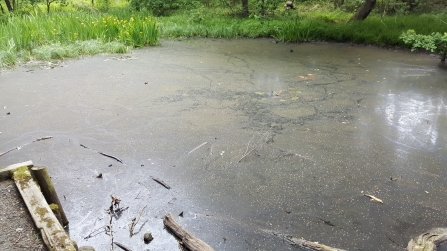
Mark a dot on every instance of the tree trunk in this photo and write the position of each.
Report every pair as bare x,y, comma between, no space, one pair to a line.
338,3
443,57
244,8
364,10
8,5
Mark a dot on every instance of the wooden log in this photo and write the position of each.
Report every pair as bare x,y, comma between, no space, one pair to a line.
5,171
429,241
46,185
189,240
52,232
302,244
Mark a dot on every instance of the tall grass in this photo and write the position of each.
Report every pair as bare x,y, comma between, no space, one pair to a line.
74,33
317,25
20,36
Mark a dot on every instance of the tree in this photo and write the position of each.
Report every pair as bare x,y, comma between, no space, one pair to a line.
436,42
48,3
244,12
8,5
364,10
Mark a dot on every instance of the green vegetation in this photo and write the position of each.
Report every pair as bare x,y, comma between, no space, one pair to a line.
436,42
76,28
71,34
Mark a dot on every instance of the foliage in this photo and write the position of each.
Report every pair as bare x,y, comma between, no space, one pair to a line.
66,29
268,6
436,42
162,7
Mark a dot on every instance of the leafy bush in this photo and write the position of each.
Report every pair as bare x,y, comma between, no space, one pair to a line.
436,42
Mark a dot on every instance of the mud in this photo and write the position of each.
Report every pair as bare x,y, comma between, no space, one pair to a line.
294,140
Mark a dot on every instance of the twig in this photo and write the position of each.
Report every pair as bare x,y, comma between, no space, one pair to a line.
204,143
374,198
122,246
19,147
103,154
135,222
247,151
159,181
94,232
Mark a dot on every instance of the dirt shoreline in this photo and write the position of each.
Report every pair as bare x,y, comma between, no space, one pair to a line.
17,229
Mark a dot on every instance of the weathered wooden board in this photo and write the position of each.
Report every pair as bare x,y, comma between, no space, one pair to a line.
5,171
53,234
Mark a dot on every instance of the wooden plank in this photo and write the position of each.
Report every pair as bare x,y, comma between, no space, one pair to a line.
46,186
189,240
53,234
5,171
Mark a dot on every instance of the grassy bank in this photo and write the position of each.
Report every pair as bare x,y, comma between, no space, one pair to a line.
69,33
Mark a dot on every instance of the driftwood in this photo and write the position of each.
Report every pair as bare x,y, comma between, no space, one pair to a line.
159,181
6,171
429,241
48,191
188,240
302,243
52,232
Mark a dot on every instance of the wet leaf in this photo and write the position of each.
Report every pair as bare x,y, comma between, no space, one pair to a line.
260,93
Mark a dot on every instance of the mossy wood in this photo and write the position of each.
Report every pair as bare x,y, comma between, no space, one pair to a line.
189,240
53,234
46,185
5,171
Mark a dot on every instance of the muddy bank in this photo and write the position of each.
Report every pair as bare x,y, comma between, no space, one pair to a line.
293,142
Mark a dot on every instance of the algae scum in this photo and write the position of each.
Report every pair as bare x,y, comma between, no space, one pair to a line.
257,143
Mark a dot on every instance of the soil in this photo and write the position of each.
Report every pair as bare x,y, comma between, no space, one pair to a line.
17,230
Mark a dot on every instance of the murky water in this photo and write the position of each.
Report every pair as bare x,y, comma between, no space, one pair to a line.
295,135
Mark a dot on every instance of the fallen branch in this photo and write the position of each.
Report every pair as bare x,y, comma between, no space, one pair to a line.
95,232
20,147
188,240
122,246
104,154
204,143
248,150
159,181
302,243
135,221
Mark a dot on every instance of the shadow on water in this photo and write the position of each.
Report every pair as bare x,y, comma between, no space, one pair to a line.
293,142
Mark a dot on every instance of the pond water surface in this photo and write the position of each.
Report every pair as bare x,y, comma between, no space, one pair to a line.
295,135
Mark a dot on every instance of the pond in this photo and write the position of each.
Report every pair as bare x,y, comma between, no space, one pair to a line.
258,140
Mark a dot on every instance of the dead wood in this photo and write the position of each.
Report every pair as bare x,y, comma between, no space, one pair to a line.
6,171
122,246
188,240
53,234
48,191
428,241
261,141
20,147
204,143
159,181
104,154
135,221
302,243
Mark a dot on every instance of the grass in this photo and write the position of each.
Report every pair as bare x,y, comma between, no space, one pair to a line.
69,33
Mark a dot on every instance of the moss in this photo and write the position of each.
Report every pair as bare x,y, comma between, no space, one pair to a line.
22,175
54,207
